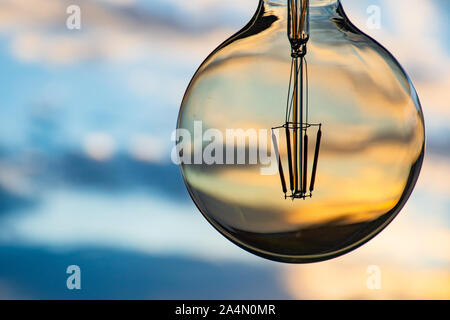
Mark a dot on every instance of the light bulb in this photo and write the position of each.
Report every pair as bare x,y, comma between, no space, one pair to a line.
347,127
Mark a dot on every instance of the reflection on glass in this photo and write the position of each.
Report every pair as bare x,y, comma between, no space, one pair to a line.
372,139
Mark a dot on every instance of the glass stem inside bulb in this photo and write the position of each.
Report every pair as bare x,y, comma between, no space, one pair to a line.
298,24
298,36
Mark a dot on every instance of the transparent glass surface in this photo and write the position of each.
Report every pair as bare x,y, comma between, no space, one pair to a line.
371,150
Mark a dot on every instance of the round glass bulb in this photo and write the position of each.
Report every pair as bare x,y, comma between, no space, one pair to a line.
372,136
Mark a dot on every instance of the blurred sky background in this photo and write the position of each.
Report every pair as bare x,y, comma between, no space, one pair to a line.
85,171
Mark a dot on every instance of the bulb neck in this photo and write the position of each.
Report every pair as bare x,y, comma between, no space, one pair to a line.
298,21
316,10
312,3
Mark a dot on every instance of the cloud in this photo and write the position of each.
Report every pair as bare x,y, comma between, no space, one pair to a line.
110,33
99,146
143,222
147,148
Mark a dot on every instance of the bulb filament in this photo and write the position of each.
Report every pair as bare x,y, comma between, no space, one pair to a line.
298,125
